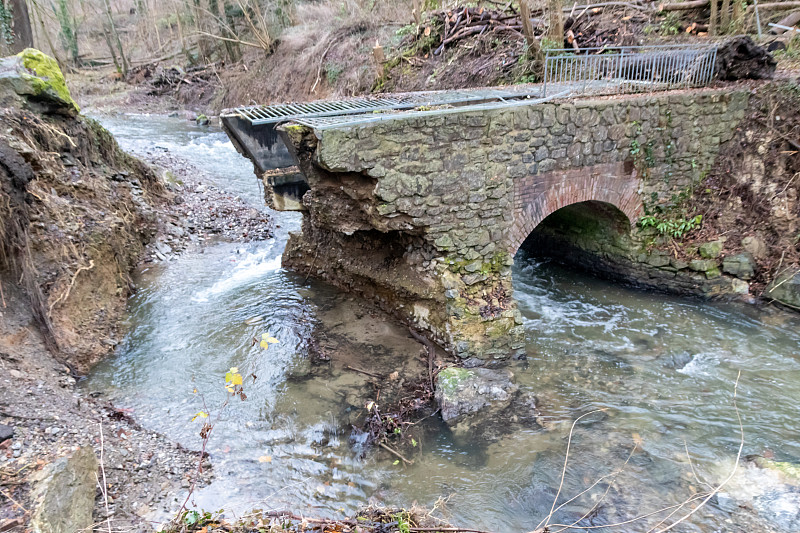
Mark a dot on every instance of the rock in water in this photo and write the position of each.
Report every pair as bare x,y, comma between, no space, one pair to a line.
740,59
35,78
63,494
463,391
785,289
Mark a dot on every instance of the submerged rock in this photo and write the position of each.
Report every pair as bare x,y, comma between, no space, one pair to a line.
64,494
788,472
463,391
785,289
36,78
677,361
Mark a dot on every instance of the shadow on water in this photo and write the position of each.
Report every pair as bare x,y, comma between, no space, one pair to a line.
663,367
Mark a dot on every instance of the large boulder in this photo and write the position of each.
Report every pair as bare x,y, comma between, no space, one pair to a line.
740,59
465,391
63,494
785,289
35,79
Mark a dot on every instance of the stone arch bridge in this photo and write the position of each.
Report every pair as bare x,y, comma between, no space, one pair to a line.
423,212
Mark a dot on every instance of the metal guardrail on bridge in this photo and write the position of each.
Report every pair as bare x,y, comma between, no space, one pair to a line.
567,73
629,69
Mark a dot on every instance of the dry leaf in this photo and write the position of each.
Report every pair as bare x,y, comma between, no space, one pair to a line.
265,459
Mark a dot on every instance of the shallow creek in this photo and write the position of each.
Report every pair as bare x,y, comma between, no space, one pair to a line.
664,368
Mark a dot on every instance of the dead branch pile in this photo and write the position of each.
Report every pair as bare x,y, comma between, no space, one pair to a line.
165,80
587,26
464,22
595,28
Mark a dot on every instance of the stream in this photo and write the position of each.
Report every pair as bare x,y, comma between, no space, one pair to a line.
662,367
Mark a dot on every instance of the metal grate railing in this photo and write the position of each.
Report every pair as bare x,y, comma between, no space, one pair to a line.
628,69
597,71
272,114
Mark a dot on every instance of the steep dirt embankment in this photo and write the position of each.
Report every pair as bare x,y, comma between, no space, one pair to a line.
76,213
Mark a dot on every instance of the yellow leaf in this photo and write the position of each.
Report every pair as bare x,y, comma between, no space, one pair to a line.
234,370
370,405
264,344
229,389
236,379
265,459
201,414
271,340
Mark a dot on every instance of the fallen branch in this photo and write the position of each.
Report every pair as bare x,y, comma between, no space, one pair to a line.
370,374
396,454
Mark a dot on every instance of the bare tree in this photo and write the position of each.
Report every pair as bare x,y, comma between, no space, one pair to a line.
112,28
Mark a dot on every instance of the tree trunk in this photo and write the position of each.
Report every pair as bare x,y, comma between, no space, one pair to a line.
737,22
555,26
115,34
725,16
23,35
712,20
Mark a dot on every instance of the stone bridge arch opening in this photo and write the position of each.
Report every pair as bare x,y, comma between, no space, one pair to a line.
592,235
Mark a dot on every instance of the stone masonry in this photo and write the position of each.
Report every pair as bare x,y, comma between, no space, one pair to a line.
424,212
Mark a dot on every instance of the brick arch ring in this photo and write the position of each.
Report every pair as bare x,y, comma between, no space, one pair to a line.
531,209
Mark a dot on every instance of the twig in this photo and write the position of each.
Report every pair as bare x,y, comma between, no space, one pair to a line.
546,520
396,454
735,464
103,471
2,296
603,497
691,465
319,70
65,295
12,500
370,374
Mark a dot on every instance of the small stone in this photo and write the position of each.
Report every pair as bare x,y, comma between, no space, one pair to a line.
678,264
740,265
657,260
711,250
6,432
702,265
739,286
756,246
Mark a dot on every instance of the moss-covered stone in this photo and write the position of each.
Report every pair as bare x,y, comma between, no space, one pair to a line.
46,78
711,250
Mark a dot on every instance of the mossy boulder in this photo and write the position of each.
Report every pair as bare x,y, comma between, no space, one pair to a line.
464,391
34,79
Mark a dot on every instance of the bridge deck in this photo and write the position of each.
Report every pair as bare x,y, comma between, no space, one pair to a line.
566,74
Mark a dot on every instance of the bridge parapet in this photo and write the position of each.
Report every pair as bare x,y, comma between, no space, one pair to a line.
425,213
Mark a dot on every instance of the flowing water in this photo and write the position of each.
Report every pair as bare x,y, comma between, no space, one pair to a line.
662,367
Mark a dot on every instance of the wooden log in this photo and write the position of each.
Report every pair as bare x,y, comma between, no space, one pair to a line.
790,20
683,6
774,6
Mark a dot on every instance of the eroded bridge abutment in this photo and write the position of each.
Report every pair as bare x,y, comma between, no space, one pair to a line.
424,212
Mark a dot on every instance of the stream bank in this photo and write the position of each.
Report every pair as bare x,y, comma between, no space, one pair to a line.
80,216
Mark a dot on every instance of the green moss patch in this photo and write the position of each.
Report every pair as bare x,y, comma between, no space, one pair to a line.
47,79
